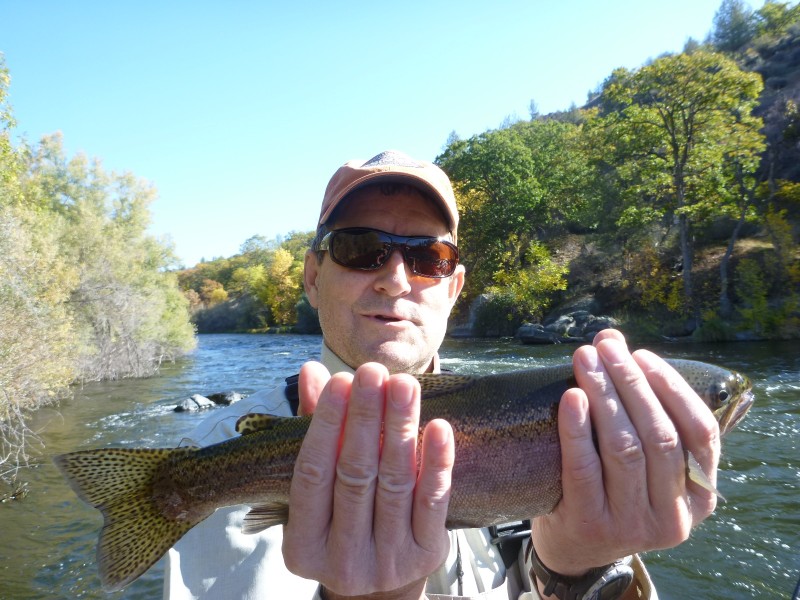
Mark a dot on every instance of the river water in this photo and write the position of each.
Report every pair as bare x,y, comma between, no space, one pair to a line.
750,548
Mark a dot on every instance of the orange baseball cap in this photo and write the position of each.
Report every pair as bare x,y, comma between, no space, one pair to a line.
391,166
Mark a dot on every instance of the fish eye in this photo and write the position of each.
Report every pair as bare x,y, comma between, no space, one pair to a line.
723,396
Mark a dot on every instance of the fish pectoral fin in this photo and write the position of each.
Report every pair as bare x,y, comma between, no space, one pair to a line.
255,422
695,472
263,516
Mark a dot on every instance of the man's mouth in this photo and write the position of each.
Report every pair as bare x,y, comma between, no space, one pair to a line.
387,318
390,318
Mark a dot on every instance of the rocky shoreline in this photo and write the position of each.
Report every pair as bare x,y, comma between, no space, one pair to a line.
576,327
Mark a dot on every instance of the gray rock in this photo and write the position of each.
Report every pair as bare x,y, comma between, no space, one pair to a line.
225,398
197,402
194,403
577,327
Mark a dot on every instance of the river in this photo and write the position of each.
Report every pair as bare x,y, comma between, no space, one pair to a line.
750,548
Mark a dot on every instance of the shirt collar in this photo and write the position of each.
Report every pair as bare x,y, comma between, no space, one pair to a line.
334,364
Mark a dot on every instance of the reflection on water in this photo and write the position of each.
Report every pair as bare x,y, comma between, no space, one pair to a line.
748,549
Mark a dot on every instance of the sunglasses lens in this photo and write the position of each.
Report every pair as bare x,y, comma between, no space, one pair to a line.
431,258
368,249
362,250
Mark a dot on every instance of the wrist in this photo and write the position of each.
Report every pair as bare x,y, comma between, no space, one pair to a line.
608,582
413,591
558,553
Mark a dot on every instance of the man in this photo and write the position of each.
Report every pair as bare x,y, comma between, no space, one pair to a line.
383,273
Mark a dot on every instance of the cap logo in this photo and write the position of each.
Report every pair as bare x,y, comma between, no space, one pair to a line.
392,158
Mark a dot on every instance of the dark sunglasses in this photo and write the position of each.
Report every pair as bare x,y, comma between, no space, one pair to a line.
367,249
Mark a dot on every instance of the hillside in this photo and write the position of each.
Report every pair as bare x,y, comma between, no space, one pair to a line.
634,273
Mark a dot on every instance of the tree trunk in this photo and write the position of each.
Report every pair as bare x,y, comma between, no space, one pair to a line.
725,307
686,255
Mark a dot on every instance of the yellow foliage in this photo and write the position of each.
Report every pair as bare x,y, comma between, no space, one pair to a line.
658,284
285,289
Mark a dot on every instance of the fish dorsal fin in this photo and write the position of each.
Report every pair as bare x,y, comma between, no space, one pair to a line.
262,516
431,384
255,422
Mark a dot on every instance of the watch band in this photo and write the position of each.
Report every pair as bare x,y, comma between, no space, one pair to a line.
608,582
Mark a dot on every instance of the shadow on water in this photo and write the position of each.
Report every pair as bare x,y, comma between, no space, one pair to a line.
748,549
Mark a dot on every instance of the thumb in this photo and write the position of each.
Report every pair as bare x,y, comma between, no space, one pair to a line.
313,377
581,468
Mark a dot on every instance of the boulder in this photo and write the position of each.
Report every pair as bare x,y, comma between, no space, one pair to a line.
577,327
225,398
536,334
194,403
198,402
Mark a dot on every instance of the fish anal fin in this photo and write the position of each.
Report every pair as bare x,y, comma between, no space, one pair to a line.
695,472
263,516
255,422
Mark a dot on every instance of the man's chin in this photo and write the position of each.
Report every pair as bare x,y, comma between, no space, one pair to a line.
401,357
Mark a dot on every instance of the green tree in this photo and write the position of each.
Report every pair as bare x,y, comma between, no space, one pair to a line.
515,186
127,311
36,341
734,25
676,123
563,169
84,291
500,201
775,18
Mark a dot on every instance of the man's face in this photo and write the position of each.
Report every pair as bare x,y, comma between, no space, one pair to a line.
388,315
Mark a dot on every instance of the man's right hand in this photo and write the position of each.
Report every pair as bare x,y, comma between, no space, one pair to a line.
362,520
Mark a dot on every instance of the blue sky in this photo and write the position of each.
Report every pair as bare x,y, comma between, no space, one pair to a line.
239,112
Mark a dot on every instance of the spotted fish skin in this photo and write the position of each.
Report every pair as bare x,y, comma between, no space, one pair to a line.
507,468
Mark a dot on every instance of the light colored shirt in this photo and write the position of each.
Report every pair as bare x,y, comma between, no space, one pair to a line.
216,561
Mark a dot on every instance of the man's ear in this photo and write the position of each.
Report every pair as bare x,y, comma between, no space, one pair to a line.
456,284
310,274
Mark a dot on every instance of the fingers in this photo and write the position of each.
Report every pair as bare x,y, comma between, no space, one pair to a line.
357,469
310,499
432,494
313,377
631,494
696,426
582,473
361,517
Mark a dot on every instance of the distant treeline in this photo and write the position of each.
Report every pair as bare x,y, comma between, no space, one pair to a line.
657,177
258,289
85,294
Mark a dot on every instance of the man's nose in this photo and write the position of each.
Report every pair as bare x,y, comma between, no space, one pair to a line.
393,276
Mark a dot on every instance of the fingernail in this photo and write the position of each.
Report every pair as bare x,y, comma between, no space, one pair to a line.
402,394
614,351
589,359
439,436
369,378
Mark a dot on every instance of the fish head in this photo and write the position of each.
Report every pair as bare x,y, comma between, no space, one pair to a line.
727,393
734,399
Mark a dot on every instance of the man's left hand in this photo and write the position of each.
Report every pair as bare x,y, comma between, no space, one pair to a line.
632,494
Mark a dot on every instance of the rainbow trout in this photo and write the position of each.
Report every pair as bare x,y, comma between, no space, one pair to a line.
507,468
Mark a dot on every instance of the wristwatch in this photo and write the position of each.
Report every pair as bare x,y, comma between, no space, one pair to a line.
601,583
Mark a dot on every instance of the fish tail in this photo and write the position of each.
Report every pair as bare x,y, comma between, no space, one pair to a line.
119,482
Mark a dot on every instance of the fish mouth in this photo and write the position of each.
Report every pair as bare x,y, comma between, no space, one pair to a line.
736,412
